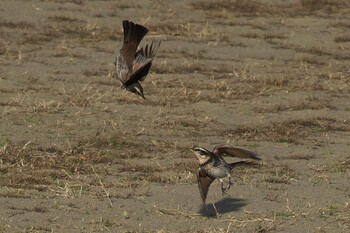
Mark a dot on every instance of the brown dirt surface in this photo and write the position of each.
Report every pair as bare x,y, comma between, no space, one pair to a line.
80,154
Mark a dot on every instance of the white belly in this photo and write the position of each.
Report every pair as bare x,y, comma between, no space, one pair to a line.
219,172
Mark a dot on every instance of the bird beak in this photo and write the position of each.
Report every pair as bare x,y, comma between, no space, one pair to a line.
193,151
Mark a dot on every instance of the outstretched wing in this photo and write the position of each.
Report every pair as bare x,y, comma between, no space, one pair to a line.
243,163
204,181
133,34
225,150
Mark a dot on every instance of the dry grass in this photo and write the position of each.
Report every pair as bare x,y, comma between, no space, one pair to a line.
75,28
239,7
342,38
93,143
257,8
190,31
64,19
297,106
18,25
291,131
278,174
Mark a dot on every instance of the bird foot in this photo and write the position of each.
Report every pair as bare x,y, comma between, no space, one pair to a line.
224,190
229,184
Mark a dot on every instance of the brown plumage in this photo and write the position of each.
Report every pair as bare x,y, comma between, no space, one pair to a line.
133,64
213,166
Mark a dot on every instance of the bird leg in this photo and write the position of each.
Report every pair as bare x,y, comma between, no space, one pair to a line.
229,183
223,189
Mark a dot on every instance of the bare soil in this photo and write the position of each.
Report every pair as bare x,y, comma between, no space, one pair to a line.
80,154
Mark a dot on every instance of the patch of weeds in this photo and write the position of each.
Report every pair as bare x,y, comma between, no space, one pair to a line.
125,214
279,174
108,223
33,118
115,143
284,214
337,169
330,211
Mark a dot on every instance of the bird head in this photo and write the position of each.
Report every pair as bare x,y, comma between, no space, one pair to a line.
137,89
202,154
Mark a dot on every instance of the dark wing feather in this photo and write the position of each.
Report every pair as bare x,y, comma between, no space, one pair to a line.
133,34
243,163
142,63
149,53
224,150
204,181
140,70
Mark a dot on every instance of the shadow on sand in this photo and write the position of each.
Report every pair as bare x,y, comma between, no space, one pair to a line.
225,205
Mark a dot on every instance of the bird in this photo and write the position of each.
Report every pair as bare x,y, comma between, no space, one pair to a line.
133,63
213,166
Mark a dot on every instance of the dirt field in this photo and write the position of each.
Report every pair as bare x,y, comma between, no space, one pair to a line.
79,154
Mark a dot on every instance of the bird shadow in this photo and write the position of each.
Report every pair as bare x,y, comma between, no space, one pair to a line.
223,206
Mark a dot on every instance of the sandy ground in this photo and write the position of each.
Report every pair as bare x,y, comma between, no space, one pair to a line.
79,154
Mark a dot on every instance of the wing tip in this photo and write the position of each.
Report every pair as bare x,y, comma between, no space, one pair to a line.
255,156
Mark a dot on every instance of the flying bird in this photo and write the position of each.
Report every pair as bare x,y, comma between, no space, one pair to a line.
133,63
213,166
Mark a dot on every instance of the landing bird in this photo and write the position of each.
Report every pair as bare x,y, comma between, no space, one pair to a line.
213,166
133,63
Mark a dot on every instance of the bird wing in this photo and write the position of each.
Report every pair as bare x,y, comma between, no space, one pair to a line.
204,181
225,150
133,34
149,51
140,69
243,163
142,63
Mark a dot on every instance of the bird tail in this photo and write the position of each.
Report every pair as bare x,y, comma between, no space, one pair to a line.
133,32
243,163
